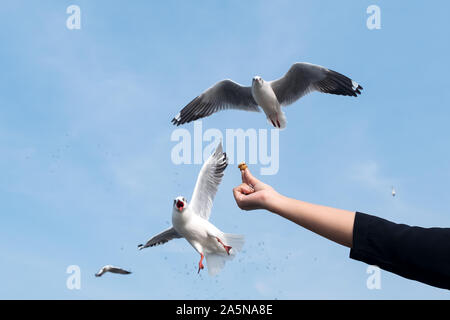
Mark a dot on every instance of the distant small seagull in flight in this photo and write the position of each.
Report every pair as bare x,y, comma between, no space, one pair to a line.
191,220
301,79
393,192
112,269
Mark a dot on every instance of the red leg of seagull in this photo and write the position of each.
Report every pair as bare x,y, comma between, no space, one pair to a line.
278,122
273,123
200,264
227,248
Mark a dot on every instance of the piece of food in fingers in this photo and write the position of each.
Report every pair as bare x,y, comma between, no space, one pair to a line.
242,166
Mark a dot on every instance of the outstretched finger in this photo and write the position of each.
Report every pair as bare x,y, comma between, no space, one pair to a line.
248,178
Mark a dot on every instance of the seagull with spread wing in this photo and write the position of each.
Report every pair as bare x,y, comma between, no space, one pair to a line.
301,79
191,220
112,269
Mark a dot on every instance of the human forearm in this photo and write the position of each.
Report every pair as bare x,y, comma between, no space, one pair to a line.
331,223
413,252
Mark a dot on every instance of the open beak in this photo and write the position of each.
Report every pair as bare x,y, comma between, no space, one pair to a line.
180,205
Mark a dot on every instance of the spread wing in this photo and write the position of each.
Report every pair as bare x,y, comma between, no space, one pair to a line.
100,272
208,182
302,78
161,238
112,269
225,94
119,270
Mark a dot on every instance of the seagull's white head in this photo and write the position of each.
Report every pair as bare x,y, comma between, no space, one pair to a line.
179,204
257,80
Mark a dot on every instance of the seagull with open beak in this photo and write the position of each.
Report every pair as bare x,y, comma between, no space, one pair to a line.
191,220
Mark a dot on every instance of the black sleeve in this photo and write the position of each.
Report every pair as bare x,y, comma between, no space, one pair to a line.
421,254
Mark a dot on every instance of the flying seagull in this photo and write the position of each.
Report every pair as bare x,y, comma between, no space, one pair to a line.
191,220
112,269
393,192
301,79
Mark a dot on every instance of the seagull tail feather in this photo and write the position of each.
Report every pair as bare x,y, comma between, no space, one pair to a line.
282,120
216,261
278,120
235,241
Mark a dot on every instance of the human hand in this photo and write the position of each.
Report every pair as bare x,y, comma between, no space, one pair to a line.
253,194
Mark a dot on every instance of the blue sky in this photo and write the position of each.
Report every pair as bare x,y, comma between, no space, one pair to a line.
85,142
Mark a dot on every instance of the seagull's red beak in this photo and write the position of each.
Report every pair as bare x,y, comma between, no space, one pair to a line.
180,205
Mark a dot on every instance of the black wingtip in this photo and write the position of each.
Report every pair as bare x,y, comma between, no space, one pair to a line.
358,90
176,122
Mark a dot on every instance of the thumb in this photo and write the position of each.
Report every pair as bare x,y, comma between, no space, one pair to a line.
248,178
